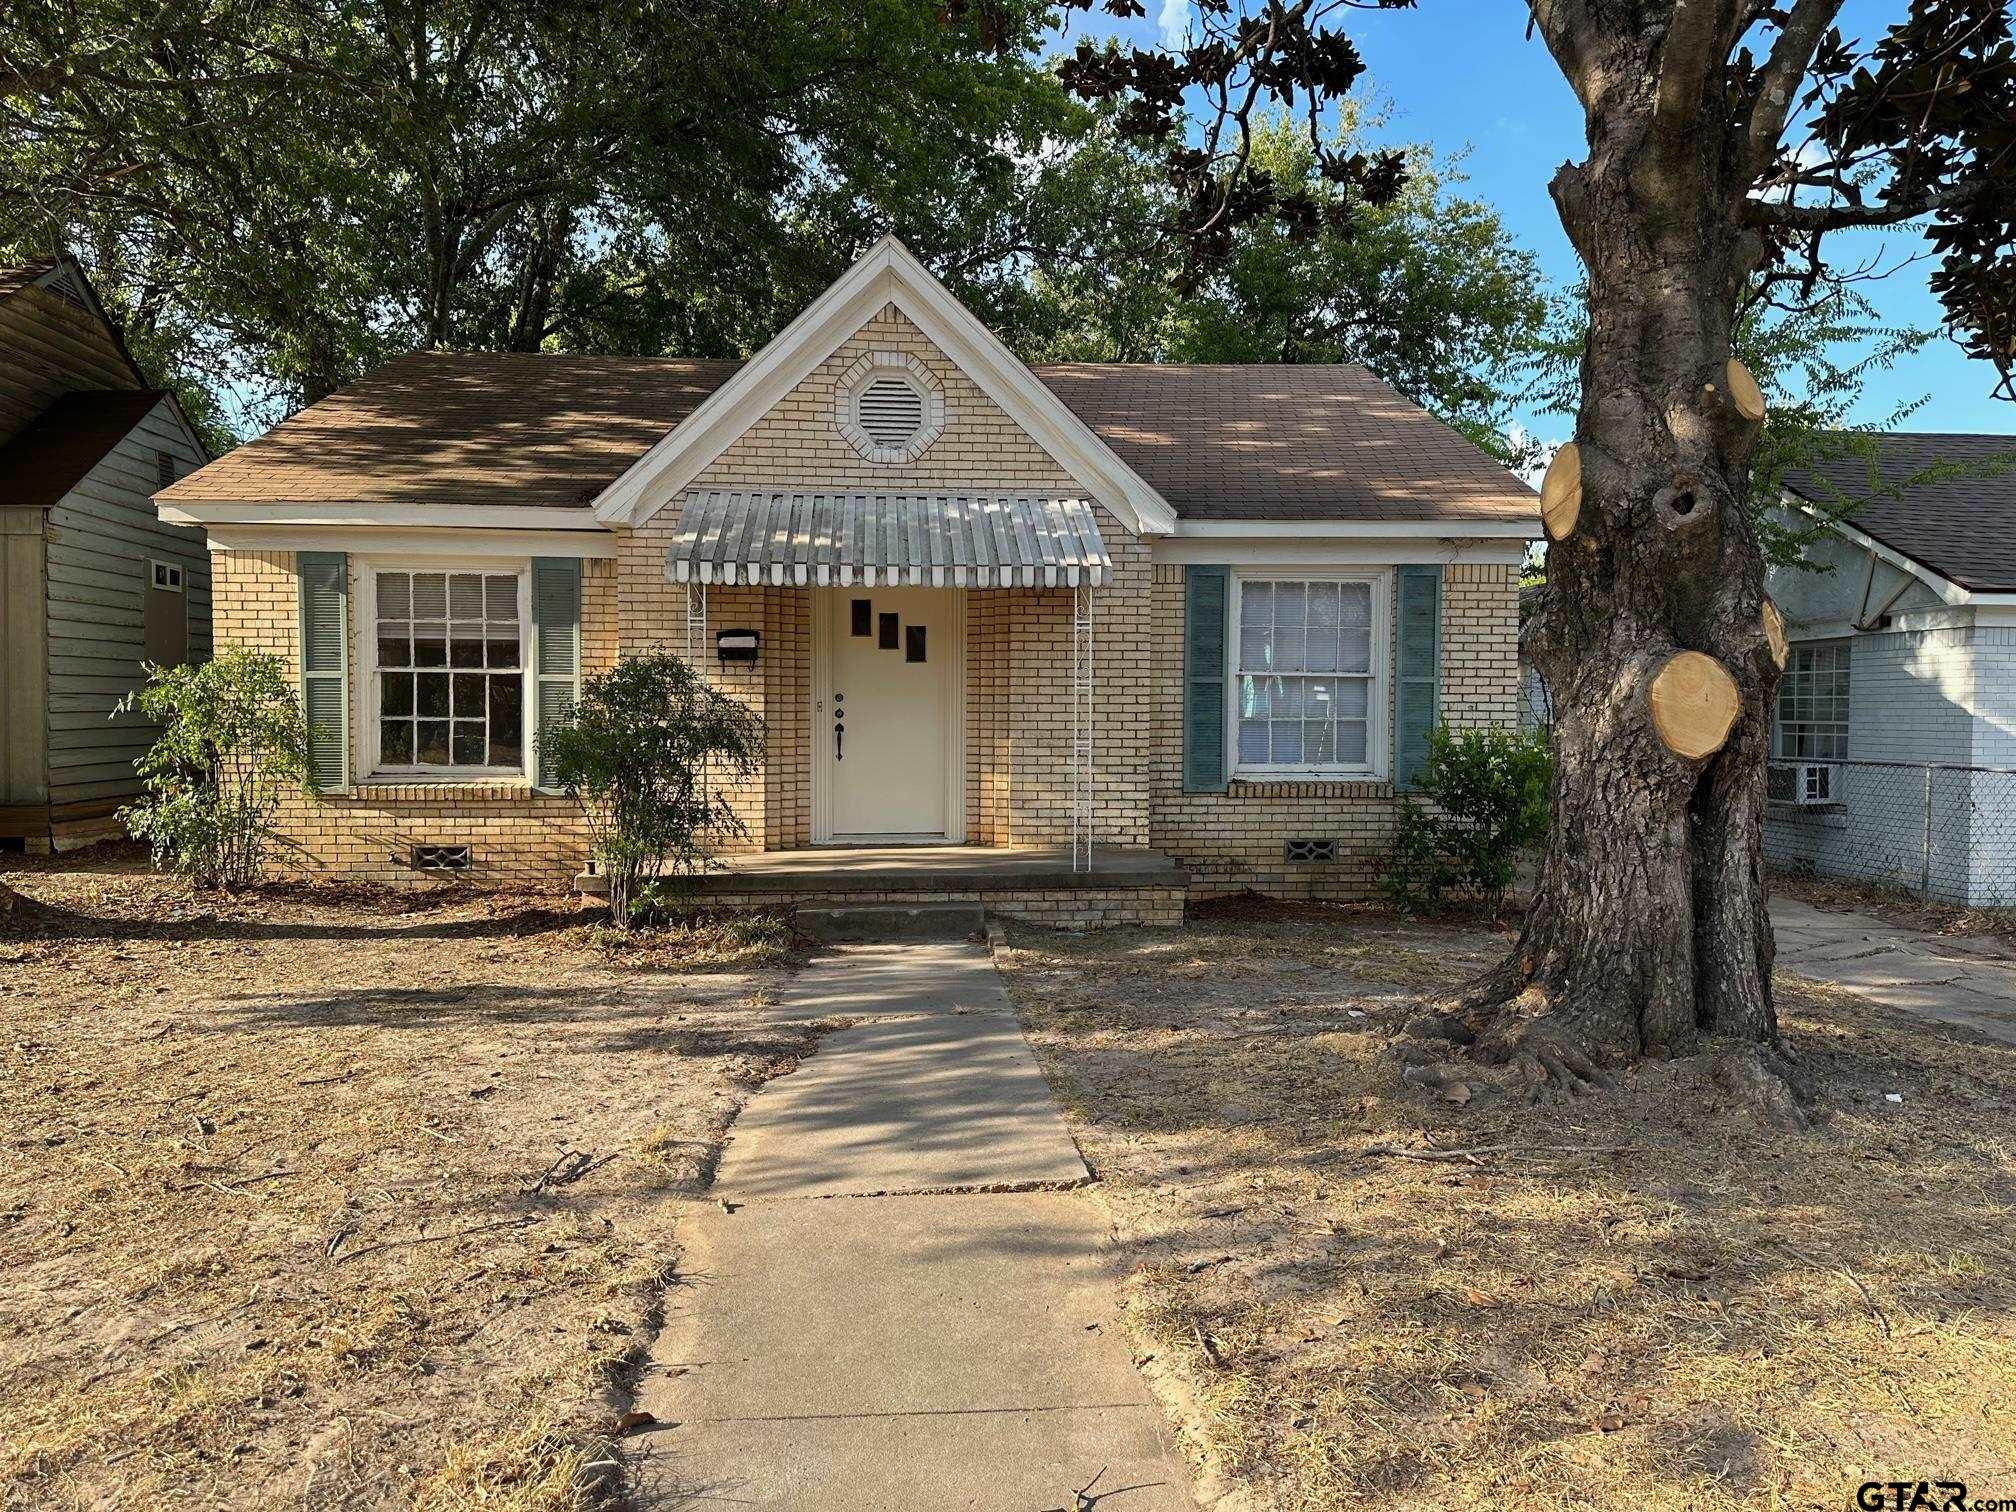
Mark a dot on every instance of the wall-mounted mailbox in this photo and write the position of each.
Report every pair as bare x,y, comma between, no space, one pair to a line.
737,645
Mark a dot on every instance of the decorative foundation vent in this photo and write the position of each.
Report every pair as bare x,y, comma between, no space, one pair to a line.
1309,852
442,858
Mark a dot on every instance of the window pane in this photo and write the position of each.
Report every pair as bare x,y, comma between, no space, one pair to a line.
1256,604
1256,648
1287,740
470,695
1354,697
506,696
503,651
395,693
1253,742
433,694
395,595
1356,606
432,749
470,742
1355,654
1351,742
466,649
1319,742
430,595
465,596
395,647
430,645
1255,697
1291,617
395,741
500,599
1323,622
1289,696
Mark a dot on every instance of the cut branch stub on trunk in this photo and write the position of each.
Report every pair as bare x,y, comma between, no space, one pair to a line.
1744,395
1694,704
1561,494
1774,635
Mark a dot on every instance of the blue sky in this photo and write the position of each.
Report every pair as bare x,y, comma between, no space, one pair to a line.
1460,74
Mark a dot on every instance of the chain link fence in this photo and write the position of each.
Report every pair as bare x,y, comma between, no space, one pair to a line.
1946,833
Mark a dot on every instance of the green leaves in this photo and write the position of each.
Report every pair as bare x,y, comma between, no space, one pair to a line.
233,745
1486,797
652,752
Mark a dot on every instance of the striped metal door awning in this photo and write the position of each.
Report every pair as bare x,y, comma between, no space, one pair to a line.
922,540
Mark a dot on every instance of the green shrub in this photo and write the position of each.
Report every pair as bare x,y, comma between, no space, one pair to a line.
233,744
643,750
1485,795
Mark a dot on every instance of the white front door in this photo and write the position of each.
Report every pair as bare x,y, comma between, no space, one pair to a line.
885,717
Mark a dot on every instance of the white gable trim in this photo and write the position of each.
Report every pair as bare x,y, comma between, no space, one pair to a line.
886,274
1949,591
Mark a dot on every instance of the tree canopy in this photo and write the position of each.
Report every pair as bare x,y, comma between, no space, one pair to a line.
281,192
1427,288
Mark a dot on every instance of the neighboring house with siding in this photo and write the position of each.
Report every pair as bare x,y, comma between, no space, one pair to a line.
1077,639
1894,742
95,583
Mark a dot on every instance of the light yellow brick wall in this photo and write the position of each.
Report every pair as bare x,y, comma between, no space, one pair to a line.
1233,840
1018,666
1018,641
518,838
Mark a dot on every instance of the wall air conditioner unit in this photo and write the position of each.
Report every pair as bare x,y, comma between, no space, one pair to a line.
1804,784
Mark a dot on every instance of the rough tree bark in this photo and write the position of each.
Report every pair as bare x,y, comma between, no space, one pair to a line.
1648,926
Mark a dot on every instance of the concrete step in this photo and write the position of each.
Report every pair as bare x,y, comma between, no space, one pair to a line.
874,922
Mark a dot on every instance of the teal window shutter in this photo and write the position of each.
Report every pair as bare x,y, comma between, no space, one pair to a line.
324,580
1206,592
556,646
1418,660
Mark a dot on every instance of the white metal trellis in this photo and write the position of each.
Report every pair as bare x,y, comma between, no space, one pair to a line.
1081,727
696,629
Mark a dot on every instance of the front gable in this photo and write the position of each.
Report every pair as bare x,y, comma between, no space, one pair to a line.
784,418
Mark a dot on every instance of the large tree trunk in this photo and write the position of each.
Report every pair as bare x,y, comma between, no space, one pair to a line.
1648,927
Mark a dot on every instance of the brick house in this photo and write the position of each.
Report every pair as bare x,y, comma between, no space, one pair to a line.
1080,638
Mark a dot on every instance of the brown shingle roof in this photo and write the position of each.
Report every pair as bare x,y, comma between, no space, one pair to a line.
63,443
1963,528
489,428
1220,443
1287,443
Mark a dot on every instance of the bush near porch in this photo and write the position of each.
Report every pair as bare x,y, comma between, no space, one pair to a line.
337,1196
1695,1312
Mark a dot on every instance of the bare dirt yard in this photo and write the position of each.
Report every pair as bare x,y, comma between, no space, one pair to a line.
334,1198
1637,1297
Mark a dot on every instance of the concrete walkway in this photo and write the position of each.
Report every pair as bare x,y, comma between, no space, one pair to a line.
1951,979
899,1302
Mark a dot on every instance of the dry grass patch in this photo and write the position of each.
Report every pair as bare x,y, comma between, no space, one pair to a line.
1714,1312
1898,905
334,1197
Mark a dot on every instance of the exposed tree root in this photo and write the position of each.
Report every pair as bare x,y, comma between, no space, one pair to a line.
1765,1085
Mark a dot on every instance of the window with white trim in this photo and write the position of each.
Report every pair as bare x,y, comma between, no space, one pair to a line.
1812,722
1308,675
448,655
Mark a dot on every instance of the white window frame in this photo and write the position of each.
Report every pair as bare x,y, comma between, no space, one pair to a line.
1846,646
366,699
1379,699
158,570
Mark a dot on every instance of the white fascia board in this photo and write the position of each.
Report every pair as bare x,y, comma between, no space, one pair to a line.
1441,530
886,274
472,517
414,541
1949,591
1354,550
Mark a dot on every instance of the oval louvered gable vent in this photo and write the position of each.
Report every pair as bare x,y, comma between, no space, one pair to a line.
891,412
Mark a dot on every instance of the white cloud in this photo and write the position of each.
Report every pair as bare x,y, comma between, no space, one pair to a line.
1174,23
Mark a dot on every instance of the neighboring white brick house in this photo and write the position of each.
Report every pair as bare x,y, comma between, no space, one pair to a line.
1903,677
